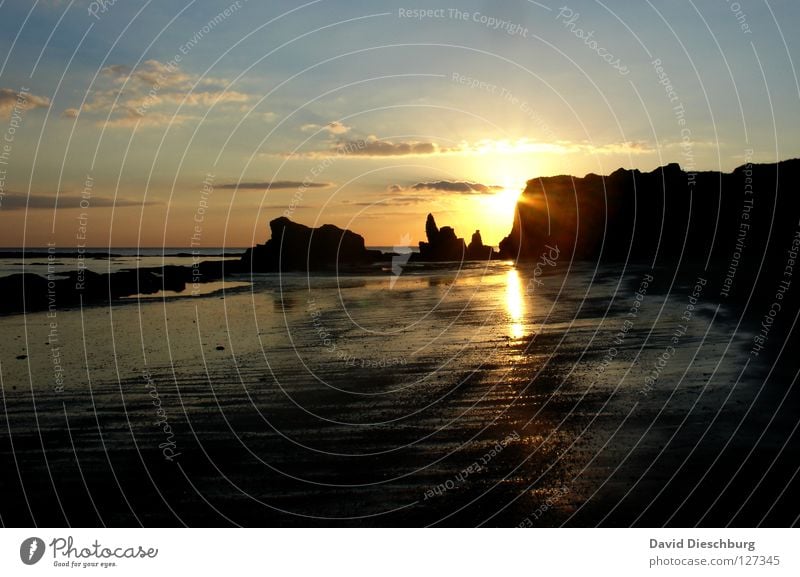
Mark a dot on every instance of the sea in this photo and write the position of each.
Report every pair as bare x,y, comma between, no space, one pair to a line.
15,260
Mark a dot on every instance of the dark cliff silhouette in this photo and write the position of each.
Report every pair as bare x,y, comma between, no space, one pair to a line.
296,247
663,216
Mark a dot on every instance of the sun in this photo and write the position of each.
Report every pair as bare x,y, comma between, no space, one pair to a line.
493,212
510,175
502,203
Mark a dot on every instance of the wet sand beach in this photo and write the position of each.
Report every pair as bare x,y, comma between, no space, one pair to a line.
482,395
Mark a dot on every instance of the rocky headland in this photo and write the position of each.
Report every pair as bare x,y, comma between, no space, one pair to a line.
737,227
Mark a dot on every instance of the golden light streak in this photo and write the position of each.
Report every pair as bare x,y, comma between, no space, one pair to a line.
515,304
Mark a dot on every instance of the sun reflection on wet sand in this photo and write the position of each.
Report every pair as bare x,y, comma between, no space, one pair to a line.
515,304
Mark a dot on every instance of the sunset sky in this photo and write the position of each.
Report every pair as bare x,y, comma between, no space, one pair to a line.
364,115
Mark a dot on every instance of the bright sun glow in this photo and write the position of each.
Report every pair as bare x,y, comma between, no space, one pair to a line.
493,213
511,173
503,202
500,206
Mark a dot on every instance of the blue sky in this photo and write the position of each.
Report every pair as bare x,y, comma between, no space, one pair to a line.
386,116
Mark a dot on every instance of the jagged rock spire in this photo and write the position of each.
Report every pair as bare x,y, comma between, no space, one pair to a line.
431,230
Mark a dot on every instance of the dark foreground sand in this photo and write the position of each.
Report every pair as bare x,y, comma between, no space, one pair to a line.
472,397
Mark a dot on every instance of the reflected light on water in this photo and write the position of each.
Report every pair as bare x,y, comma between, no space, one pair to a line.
515,304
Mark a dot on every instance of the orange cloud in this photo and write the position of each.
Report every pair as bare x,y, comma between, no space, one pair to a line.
9,99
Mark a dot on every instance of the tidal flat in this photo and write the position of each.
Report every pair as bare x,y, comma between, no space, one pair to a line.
481,395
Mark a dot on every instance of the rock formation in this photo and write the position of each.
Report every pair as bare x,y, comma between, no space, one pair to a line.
741,229
659,216
443,245
297,247
476,250
31,292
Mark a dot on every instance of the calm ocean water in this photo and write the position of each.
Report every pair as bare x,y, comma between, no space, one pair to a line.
103,259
